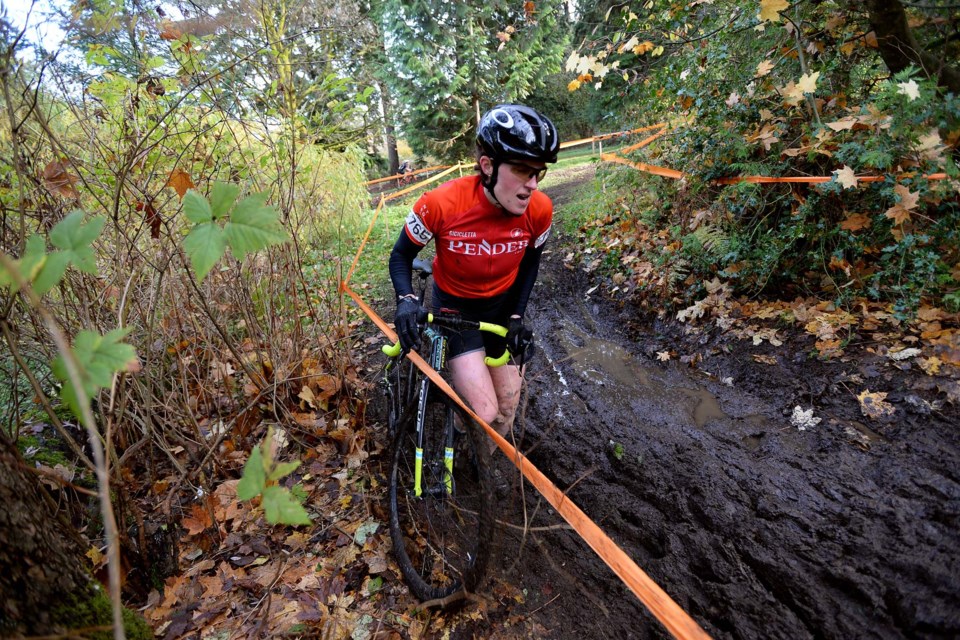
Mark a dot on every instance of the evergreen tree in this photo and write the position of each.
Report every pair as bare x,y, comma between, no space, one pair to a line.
452,60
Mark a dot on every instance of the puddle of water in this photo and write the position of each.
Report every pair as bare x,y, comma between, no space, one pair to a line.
595,358
863,432
601,361
706,408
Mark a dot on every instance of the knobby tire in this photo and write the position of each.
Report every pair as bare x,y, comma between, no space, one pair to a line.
441,540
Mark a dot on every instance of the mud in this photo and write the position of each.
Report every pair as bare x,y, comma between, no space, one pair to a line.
848,529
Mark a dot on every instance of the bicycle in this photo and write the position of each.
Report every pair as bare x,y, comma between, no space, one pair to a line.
440,488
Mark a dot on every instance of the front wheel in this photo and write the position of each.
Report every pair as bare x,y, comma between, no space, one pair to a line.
442,527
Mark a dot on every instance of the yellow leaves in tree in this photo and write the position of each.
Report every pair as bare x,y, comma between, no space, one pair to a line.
900,212
770,9
574,85
846,177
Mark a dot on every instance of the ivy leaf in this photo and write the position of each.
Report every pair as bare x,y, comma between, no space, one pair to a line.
254,479
222,197
205,245
196,207
280,507
253,226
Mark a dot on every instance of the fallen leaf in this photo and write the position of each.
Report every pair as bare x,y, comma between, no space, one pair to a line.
765,359
855,222
803,419
931,365
808,82
900,212
910,89
875,405
770,9
846,177
904,354
663,356
763,69
843,123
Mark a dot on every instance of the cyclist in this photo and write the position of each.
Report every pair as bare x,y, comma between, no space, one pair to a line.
489,232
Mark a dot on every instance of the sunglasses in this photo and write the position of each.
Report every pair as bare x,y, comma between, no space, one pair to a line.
526,171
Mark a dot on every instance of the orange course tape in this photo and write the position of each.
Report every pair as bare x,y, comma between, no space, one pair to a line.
668,612
574,143
643,166
400,175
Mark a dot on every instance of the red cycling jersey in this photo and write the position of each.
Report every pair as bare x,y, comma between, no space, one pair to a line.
479,246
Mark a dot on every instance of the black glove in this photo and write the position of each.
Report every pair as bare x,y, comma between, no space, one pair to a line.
406,323
520,341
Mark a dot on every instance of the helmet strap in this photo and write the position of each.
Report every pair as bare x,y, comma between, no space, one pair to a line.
489,182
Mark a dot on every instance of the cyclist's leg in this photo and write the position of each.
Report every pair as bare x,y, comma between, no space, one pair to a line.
506,384
472,381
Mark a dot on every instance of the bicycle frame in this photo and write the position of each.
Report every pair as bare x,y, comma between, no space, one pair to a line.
438,354
437,360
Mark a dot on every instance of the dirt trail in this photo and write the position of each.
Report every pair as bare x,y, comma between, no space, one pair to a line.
756,529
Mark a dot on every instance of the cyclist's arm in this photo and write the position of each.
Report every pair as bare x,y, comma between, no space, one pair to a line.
401,264
526,278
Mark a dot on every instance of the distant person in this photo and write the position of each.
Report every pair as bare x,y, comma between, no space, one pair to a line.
406,168
489,230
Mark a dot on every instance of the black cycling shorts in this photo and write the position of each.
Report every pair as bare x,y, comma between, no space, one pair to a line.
481,309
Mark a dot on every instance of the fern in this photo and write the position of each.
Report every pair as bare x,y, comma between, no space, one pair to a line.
714,242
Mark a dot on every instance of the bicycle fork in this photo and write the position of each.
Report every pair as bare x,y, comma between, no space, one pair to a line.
438,356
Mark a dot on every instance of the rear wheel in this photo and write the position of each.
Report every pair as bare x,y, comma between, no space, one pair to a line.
441,537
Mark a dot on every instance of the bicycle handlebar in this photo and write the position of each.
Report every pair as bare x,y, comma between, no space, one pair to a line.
457,323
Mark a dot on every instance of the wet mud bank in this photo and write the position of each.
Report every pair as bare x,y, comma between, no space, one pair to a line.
756,528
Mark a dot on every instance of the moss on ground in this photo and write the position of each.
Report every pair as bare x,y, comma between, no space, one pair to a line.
97,612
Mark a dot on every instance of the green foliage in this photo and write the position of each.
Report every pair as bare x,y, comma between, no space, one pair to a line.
250,226
740,110
73,238
98,358
447,59
97,611
260,475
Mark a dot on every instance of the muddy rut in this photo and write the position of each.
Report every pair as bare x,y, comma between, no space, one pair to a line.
755,528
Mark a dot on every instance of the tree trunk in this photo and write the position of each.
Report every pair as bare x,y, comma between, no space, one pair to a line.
44,587
899,49
390,137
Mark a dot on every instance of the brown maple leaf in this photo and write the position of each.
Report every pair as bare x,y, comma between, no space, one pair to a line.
59,181
181,182
855,222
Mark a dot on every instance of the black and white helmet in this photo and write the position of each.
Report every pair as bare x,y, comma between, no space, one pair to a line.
516,132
